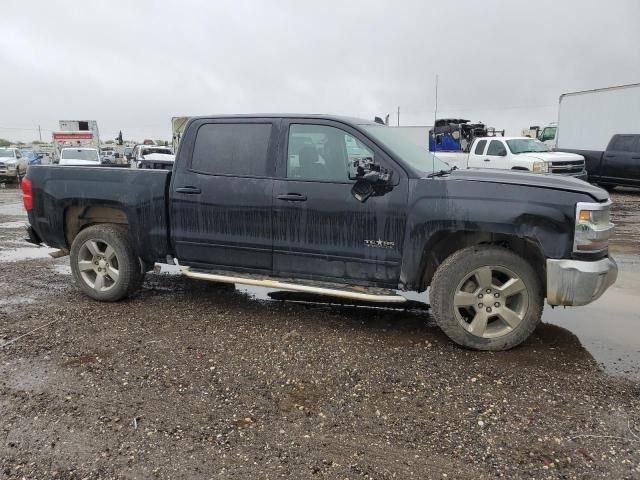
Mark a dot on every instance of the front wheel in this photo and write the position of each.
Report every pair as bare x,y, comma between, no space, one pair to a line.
486,298
104,264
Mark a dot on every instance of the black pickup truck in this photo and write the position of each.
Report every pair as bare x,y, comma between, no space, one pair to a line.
618,165
334,206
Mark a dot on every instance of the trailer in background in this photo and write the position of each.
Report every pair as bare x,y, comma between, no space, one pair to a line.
588,120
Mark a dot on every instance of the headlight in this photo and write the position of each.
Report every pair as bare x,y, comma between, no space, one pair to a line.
540,167
593,228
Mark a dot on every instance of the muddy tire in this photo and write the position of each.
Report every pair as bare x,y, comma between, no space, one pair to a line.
104,264
486,298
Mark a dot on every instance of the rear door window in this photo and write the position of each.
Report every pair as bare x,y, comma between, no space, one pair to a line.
479,150
237,149
625,143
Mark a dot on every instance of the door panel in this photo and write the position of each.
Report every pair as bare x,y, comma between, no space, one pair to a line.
320,230
333,235
221,201
622,160
491,159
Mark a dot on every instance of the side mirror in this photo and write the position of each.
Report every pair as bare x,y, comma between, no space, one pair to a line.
502,153
40,156
364,169
117,155
371,179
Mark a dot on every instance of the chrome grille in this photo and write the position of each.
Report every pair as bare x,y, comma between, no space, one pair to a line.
567,167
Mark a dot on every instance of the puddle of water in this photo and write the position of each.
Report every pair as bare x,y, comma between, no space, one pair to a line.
25,253
609,328
15,209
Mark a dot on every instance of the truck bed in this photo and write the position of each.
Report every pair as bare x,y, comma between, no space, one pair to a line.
140,194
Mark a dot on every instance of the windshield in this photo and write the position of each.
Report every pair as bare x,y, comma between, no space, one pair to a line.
6,153
73,154
400,143
524,145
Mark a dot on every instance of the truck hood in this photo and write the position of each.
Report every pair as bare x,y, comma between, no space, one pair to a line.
514,177
551,156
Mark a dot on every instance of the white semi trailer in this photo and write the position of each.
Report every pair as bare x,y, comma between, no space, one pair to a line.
587,120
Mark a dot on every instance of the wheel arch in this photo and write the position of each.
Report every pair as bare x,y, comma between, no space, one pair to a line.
444,243
79,217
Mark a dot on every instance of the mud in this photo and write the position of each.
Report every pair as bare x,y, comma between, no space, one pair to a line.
196,380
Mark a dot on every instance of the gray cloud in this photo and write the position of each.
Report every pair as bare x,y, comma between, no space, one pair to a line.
133,65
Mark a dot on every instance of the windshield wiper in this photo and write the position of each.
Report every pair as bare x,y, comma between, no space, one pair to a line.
440,173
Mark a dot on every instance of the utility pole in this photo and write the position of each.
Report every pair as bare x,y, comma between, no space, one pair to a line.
398,115
40,133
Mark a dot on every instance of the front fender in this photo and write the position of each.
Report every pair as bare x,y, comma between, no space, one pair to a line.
486,210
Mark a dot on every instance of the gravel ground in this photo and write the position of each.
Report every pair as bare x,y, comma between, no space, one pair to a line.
192,380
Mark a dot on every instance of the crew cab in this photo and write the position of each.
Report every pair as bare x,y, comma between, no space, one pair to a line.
525,154
13,164
618,165
334,206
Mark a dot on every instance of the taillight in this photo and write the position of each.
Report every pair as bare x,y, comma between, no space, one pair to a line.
27,194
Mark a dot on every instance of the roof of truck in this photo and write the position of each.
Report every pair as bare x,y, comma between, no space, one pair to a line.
320,116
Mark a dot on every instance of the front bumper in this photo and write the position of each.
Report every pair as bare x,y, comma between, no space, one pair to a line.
576,282
8,174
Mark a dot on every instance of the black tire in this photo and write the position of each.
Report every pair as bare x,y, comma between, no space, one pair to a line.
130,275
457,269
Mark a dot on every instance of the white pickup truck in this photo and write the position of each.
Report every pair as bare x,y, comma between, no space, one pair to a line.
517,153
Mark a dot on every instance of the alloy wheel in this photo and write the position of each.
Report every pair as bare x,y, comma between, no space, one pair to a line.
491,301
98,265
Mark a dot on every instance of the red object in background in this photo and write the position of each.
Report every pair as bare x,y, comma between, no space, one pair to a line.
72,136
27,194
148,142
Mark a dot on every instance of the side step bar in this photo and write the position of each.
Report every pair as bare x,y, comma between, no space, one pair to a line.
268,283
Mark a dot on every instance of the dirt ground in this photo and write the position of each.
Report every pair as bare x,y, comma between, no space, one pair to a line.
192,380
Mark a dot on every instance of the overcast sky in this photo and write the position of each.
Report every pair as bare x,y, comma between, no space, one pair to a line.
132,65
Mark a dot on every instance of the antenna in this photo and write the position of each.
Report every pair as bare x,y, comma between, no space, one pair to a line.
435,116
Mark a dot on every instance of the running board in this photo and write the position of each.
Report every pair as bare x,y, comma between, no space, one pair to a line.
275,284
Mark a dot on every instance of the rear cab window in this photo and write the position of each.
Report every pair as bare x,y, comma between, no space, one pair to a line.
234,149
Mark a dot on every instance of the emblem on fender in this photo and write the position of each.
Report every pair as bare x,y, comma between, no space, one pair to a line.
379,243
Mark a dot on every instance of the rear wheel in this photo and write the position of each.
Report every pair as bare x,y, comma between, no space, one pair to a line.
104,263
486,298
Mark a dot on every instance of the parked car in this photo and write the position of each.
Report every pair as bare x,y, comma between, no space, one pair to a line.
33,157
525,154
618,164
13,165
140,152
80,156
278,201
